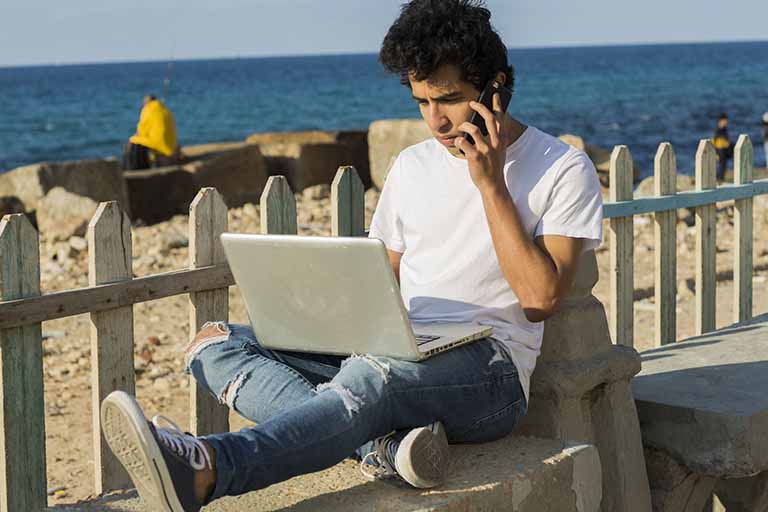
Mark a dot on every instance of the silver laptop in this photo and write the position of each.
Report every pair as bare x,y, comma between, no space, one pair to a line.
332,295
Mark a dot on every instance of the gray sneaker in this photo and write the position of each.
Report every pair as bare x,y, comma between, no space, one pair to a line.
418,456
161,461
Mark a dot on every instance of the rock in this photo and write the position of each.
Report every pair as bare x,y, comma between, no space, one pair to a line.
316,192
159,194
99,180
11,204
78,243
313,157
177,242
153,340
601,157
62,214
387,138
645,188
162,384
237,170
238,173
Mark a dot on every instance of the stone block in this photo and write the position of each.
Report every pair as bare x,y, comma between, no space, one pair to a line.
519,474
100,180
159,194
239,173
580,390
312,158
237,170
61,214
601,157
748,494
674,487
703,400
387,138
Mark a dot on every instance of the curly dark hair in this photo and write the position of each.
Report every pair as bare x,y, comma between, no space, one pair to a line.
432,33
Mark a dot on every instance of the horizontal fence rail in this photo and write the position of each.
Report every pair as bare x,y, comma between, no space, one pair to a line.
113,291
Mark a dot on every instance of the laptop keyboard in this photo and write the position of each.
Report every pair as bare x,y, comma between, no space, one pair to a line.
425,338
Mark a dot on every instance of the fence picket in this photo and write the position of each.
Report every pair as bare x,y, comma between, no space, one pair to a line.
22,439
347,203
207,220
621,241
278,207
665,183
742,222
109,259
706,221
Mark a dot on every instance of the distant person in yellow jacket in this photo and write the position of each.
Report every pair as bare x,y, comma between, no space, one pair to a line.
723,145
154,143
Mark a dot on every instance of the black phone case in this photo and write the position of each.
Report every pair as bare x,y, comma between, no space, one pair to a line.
486,98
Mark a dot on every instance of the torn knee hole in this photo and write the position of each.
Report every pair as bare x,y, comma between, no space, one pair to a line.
351,401
211,333
383,367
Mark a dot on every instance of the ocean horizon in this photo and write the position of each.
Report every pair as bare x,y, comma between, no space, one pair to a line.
637,95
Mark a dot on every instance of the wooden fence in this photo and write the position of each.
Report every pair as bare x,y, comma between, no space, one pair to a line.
113,291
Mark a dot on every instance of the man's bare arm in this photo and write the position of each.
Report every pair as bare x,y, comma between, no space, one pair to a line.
394,260
539,272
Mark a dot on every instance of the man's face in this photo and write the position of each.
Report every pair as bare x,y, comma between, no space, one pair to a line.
147,99
443,100
722,122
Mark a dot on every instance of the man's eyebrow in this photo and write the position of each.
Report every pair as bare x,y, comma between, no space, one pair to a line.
447,96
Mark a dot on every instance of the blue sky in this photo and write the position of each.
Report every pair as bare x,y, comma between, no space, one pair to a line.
42,31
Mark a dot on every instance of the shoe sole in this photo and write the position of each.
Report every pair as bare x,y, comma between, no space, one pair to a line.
422,457
128,436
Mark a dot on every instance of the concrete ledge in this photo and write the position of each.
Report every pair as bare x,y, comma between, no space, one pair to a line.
523,474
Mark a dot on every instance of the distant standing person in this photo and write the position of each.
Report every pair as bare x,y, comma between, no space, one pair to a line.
765,137
722,145
154,143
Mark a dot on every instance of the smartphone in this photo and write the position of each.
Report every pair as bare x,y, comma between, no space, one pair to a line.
486,98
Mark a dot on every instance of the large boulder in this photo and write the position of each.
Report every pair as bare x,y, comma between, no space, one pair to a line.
313,157
99,180
62,214
236,169
387,138
601,157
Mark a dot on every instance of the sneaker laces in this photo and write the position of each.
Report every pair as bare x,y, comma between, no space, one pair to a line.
384,449
181,443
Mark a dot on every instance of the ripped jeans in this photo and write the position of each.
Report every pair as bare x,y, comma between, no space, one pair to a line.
313,411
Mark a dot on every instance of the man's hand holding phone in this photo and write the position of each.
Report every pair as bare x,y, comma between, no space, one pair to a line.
488,134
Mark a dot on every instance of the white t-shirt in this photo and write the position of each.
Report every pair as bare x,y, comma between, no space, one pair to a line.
431,211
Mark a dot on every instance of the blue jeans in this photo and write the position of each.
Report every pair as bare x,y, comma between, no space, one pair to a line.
315,410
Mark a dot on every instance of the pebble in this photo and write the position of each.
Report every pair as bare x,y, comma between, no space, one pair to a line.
162,384
78,243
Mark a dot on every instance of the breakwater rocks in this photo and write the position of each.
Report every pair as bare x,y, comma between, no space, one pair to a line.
60,197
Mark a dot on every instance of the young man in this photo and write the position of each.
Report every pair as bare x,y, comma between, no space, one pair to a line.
491,236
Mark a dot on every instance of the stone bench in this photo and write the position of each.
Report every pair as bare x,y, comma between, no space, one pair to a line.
517,474
703,408
586,454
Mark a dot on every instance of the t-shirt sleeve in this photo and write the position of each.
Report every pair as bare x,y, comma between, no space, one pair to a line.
575,207
386,224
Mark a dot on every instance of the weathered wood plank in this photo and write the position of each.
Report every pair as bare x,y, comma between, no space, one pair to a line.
665,183
706,285
207,221
621,242
347,203
14,313
278,207
109,259
22,417
743,230
690,199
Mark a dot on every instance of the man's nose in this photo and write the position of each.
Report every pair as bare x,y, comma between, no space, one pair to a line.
437,118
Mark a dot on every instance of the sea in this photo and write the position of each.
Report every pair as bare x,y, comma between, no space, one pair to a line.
638,96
